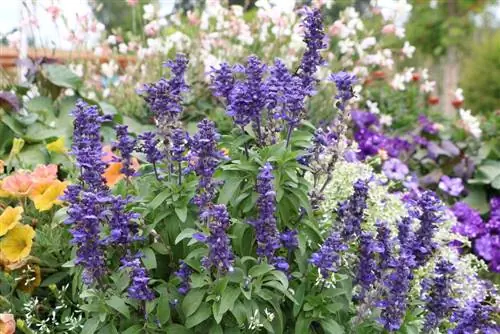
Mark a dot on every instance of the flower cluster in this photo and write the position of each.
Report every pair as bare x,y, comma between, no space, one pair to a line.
126,145
266,230
203,158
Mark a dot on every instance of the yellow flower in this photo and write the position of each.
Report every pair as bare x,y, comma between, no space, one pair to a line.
57,146
17,146
9,218
49,197
17,244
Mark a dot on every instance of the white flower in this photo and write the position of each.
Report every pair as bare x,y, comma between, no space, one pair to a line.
346,46
408,49
372,107
69,92
149,12
408,74
428,86
368,42
398,82
400,32
470,123
109,69
111,39
269,315
122,48
459,94
386,120
425,74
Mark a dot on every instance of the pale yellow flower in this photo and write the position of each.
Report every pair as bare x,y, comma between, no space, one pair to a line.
17,243
9,218
50,196
57,146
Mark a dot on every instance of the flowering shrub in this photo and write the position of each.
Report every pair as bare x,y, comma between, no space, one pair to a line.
273,226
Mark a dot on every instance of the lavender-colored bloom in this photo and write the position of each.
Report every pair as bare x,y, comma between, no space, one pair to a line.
430,215
350,212
364,119
314,39
87,199
123,228
427,125
180,141
344,82
87,146
437,295
280,263
495,208
469,221
222,81
285,94
397,282
395,169
451,186
327,258
488,247
368,271
220,254
289,239
126,145
164,97
184,273
150,147
138,288
385,243
248,98
85,215
203,159
266,232
475,318
451,149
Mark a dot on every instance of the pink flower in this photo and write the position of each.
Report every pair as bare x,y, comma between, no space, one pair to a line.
193,19
389,29
7,323
18,184
132,3
336,28
54,11
44,173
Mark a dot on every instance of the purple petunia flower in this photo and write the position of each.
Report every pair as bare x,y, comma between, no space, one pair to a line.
451,186
469,222
427,125
394,169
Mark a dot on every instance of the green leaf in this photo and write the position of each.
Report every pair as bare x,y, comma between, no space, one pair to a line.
229,189
477,199
192,301
186,233
216,329
302,324
177,329
149,258
159,199
331,326
62,76
163,311
202,314
108,329
90,326
40,104
260,269
181,213
496,183
229,297
134,329
54,278
119,304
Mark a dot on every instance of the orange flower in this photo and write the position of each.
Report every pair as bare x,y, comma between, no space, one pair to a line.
7,323
113,173
18,184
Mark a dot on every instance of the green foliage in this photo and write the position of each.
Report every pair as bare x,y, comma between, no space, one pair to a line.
480,75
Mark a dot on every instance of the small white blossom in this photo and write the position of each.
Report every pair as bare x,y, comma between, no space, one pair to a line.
408,49
428,86
372,107
470,123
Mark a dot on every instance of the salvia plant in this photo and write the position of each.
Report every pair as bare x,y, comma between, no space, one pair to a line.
274,227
